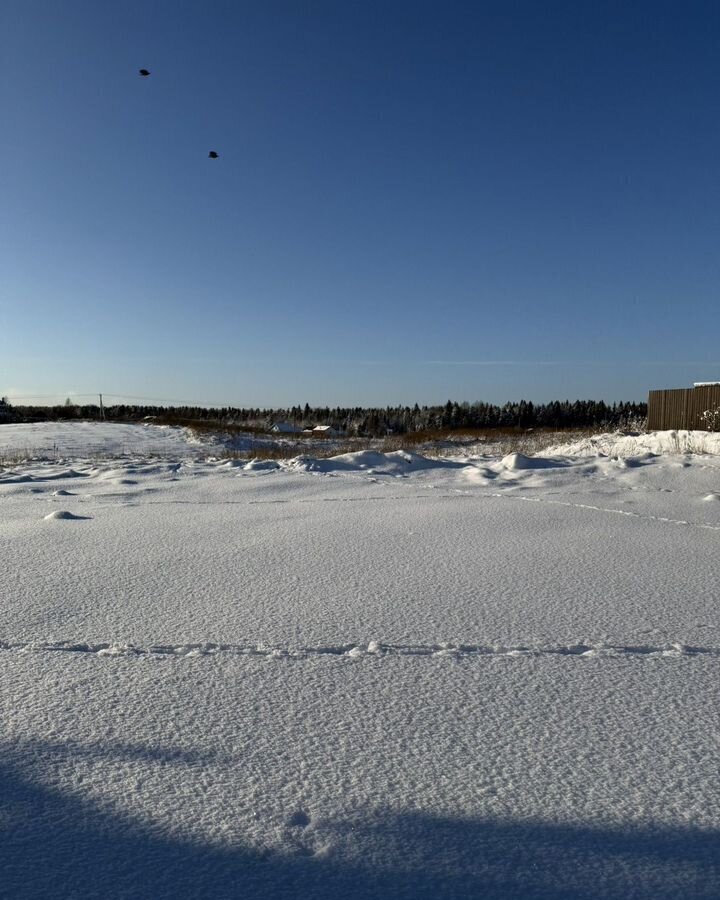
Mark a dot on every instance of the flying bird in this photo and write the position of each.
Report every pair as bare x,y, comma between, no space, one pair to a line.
212,155
143,72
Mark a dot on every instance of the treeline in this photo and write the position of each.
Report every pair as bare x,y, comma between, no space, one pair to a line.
358,420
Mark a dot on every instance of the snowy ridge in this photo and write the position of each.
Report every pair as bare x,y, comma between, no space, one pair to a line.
355,651
633,445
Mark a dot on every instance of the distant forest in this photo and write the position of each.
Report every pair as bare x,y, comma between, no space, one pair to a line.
373,422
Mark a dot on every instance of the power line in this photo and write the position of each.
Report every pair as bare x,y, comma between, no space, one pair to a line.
159,400
49,396
117,397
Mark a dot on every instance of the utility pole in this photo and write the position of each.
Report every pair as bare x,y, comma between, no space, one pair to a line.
102,409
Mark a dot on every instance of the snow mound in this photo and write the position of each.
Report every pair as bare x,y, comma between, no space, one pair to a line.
261,465
516,461
45,474
62,514
372,462
655,443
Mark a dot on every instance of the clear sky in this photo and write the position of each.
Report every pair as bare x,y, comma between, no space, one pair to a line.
414,201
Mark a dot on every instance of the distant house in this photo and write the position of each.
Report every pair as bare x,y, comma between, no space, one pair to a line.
285,428
685,408
325,431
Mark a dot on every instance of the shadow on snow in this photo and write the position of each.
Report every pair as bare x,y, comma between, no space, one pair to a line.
56,844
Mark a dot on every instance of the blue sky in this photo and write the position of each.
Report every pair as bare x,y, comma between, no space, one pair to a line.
414,201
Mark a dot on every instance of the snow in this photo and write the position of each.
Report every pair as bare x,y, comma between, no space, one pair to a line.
63,514
375,675
93,439
398,462
634,445
515,461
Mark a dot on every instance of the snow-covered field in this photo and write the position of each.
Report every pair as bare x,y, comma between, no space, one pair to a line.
43,440
366,676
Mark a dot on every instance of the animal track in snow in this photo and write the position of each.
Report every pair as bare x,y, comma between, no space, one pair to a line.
299,819
456,493
594,508
374,649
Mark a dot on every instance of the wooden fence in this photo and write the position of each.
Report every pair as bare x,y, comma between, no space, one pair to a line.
682,407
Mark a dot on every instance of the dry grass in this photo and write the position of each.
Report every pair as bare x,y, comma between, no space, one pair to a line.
210,426
431,442
292,450
259,444
8,460
488,442
16,455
